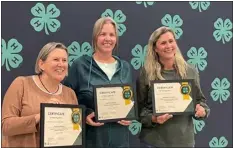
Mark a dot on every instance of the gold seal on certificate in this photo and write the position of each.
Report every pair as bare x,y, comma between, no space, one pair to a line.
114,102
76,118
173,96
62,125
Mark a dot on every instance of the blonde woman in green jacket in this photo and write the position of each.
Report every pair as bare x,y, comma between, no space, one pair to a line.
164,61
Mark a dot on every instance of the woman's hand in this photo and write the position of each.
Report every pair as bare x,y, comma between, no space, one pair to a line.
161,119
52,101
89,120
37,117
200,111
124,122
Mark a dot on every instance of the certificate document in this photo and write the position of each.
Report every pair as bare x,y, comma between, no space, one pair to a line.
114,103
173,96
62,125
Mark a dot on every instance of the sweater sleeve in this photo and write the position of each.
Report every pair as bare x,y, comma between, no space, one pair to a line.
72,78
200,98
144,111
73,97
12,121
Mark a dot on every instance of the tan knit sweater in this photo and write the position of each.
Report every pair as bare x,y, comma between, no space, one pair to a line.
21,103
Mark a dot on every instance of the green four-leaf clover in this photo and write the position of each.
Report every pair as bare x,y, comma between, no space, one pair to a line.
200,5
222,142
135,127
45,18
174,23
223,30
220,89
198,125
75,51
10,54
139,56
197,57
145,3
119,17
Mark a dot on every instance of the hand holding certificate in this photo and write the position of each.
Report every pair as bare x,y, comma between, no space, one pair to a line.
114,103
62,125
173,97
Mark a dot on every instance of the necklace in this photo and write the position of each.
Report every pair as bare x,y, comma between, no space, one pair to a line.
46,88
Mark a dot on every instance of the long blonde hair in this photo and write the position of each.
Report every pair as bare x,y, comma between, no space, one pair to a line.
153,66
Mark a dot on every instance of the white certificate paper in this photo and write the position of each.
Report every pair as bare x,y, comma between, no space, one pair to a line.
112,104
172,97
59,129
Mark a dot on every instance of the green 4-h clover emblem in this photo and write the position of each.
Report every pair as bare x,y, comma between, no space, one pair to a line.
139,56
200,5
198,125
75,51
119,17
173,23
135,127
220,89
185,90
145,3
222,142
197,57
45,18
75,118
223,30
127,94
10,54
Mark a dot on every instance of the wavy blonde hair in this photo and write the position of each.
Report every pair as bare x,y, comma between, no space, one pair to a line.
153,66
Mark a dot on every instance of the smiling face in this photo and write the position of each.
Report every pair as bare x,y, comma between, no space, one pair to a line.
106,40
166,46
56,65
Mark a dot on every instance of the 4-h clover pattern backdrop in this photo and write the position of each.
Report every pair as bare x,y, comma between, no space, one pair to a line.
203,30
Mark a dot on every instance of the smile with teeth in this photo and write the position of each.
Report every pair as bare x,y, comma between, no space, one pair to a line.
168,51
59,70
107,44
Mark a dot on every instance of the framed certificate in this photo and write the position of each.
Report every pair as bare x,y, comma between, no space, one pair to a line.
114,103
173,96
62,125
